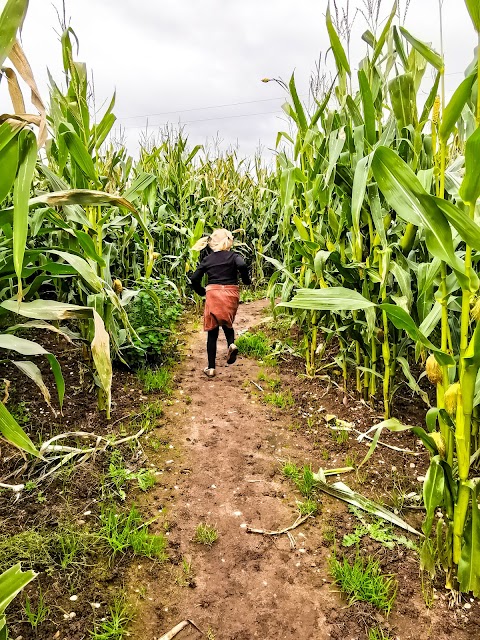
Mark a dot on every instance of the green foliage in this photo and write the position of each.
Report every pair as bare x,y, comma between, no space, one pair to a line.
43,550
362,580
255,345
36,614
377,633
280,399
378,530
303,478
156,380
205,534
115,625
307,507
124,532
118,476
153,314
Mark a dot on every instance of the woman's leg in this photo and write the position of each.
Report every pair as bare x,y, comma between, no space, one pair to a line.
212,336
232,348
229,334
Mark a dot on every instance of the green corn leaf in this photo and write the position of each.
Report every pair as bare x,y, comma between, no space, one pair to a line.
469,565
332,299
461,221
11,20
21,195
404,193
358,193
82,267
300,113
88,245
79,152
343,492
14,434
430,101
337,48
399,47
403,97
12,581
368,108
473,8
383,36
470,188
433,489
402,320
423,49
454,108
9,162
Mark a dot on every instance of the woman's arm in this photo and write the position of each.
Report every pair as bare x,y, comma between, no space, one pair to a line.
242,269
196,279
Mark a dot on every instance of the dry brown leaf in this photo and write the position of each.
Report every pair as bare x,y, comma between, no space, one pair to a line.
21,64
14,91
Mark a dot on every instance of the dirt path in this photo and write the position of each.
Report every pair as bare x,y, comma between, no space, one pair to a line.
247,585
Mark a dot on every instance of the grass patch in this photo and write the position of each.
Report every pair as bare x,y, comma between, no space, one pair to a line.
205,534
272,383
255,345
156,380
118,475
127,532
44,551
307,507
303,478
36,615
280,399
376,633
362,580
114,626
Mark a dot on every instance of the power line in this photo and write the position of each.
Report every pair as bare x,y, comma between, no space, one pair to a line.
215,106
241,115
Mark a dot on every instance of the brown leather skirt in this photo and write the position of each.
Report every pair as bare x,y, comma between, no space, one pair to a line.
221,305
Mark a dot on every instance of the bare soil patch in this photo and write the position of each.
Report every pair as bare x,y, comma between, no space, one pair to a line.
227,472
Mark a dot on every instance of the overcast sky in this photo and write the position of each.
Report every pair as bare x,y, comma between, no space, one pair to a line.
194,61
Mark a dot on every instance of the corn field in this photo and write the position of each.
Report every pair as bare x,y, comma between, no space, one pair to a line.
365,234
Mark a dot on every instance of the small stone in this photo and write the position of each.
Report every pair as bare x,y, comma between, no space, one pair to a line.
412,465
72,615
73,598
169,462
95,605
87,513
467,605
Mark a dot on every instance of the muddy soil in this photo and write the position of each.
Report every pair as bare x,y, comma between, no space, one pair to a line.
225,470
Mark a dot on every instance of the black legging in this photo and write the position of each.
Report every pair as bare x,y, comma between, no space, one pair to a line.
212,337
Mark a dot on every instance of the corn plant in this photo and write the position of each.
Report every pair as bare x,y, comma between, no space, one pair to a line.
408,175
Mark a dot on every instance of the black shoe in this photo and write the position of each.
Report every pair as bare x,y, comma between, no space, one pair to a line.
232,353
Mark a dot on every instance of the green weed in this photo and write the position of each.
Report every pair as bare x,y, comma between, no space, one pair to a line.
307,507
205,534
272,383
113,626
127,531
340,436
282,400
363,581
156,380
377,633
255,345
378,530
36,615
303,479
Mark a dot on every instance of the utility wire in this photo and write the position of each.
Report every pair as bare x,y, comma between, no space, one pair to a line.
241,115
215,106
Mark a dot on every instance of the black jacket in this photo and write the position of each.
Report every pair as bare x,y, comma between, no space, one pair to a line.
221,267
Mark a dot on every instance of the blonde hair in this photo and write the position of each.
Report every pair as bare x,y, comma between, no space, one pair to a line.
219,240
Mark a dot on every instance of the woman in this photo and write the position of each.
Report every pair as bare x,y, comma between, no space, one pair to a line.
222,267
